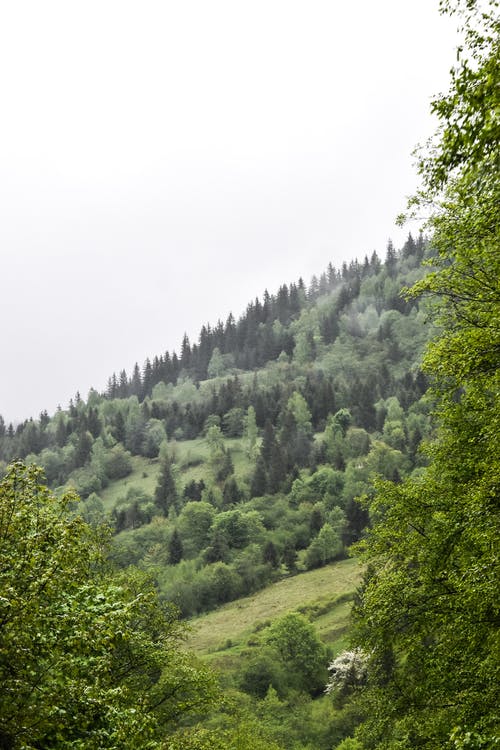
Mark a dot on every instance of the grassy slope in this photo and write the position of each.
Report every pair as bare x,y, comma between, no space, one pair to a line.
322,595
144,476
191,457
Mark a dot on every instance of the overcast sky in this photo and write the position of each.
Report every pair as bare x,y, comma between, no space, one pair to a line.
162,163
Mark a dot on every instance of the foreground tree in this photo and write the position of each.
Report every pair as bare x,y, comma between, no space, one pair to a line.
87,659
429,611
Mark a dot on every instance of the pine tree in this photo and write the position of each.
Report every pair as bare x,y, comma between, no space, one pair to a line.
118,428
270,554
290,557
136,384
258,485
175,549
277,469
185,360
61,433
166,496
94,425
123,385
83,448
268,441
231,493
390,258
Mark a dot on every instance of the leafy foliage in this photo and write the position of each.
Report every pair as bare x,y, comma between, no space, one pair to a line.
87,659
429,613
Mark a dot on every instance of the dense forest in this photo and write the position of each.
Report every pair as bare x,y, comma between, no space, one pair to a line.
253,467
358,415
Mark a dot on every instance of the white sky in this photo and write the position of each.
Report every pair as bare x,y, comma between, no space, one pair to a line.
162,163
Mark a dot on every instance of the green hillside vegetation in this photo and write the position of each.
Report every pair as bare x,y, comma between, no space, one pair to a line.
246,481
311,613
227,485
219,480
320,594
427,618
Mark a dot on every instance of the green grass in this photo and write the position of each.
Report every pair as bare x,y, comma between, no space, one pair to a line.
144,476
191,457
332,627
321,594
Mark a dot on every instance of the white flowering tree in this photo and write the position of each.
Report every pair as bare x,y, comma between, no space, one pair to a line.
347,670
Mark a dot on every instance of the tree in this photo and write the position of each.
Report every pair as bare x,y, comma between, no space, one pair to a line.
277,469
300,651
175,549
88,659
241,733
428,612
347,670
166,496
118,427
324,548
117,462
290,557
83,448
231,493
194,522
250,434
259,479
194,490
216,366
270,554
238,528
233,422
154,436
262,672
296,430
220,458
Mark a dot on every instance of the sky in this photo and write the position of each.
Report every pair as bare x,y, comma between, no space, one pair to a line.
162,163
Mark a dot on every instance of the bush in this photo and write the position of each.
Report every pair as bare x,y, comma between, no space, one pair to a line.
117,463
261,672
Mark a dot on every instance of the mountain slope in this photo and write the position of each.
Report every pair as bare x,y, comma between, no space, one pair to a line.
240,461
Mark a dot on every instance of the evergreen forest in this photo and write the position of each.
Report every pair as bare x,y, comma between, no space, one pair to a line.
283,535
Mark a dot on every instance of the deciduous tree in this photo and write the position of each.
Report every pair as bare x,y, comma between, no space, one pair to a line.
429,613
88,660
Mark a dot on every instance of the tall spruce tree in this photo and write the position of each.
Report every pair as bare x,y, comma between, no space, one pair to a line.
175,548
166,496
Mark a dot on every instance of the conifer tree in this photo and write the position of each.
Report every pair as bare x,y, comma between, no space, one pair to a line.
231,493
258,485
83,448
270,554
290,557
277,469
175,548
136,384
166,496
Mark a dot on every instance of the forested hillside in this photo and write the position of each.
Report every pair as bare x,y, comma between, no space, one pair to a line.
236,466
357,415
240,459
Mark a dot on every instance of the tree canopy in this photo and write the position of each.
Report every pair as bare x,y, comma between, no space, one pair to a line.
88,658
428,614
